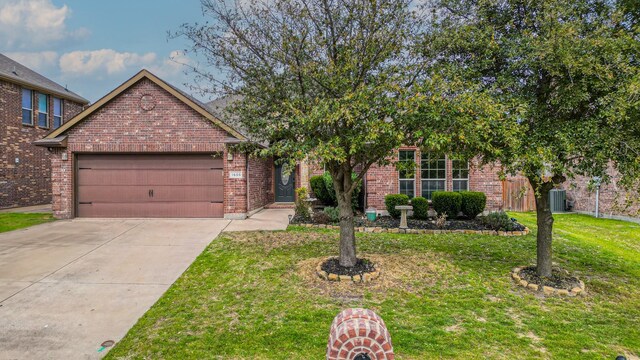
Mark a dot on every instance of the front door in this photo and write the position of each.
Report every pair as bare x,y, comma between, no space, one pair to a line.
285,183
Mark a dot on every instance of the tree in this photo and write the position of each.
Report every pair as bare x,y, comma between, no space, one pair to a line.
326,80
567,70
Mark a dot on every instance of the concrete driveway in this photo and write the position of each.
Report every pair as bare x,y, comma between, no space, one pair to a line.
67,286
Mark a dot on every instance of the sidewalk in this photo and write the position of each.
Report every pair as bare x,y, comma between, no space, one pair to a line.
28,209
267,219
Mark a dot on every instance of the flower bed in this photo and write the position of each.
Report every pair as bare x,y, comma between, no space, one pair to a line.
416,226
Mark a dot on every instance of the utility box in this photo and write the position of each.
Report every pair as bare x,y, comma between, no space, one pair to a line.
558,200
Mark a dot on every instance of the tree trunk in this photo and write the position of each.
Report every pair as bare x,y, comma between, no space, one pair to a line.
545,229
342,184
347,235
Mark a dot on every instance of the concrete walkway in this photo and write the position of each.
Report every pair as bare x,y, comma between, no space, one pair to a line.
267,219
67,286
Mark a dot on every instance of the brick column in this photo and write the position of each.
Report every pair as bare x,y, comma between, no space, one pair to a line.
359,331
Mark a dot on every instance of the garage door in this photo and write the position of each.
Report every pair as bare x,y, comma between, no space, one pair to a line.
158,186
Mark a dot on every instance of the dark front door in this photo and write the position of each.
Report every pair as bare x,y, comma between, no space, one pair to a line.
285,183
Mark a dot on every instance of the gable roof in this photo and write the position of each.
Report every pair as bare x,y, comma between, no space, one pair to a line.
13,71
145,74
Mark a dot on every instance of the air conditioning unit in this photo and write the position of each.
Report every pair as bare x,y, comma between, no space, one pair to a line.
558,200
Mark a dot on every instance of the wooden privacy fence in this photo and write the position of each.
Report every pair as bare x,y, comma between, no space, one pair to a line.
517,195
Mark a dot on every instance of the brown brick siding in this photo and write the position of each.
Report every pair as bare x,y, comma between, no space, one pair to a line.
614,200
383,180
260,183
27,182
121,126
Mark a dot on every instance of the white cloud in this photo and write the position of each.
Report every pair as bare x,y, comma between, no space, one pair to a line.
104,61
35,24
38,61
173,65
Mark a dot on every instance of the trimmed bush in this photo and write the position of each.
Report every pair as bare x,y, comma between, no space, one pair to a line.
333,214
302,207
320,189
473,203
446,202
498,221
331,194
420,208
393,200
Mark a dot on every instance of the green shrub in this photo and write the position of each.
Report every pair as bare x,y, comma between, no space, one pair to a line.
473,203
302,207
320,190
446,202
393,200
420,208
331,194
333,214
498,221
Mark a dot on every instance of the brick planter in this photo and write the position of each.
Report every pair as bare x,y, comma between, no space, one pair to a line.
359,331
366,277
546,290
420,231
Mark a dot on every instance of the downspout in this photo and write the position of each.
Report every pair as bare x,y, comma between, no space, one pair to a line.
246,160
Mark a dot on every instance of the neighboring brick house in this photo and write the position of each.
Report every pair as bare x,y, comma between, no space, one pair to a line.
30,106
148,150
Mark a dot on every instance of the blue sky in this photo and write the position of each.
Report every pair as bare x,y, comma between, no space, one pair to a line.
93,46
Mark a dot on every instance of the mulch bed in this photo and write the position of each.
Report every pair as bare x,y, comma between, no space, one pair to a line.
560,279
390,223
332,266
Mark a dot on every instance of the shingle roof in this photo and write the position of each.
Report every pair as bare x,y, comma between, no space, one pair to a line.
15,72
218,108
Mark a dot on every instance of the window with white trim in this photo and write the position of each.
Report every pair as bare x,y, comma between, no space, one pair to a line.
433,174
27,107
407,178
43,111
57,113
460,170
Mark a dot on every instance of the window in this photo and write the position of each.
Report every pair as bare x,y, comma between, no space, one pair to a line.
406,173
27,107
460,175
433,174
43,111
57,113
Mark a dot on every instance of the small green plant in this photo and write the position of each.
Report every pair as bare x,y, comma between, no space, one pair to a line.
420,208
498,221
441,221
393,200
302,207
333,214
320,189
473,203
447,202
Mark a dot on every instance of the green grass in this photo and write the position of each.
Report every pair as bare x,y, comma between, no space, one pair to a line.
254,296
13,221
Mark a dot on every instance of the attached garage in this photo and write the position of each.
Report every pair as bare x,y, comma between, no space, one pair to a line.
150,185
148,150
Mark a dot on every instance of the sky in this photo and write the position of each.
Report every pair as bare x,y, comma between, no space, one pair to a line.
92,46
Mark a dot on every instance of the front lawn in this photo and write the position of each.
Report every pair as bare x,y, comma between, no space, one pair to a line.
254,296
13,221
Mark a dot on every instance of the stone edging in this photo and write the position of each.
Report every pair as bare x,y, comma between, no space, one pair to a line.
547,290
420,231
366,277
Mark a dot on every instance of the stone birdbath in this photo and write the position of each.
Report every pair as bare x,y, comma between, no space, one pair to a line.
403,215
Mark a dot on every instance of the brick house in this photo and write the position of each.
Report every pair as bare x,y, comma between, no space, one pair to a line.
146,149
149,150
30,106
